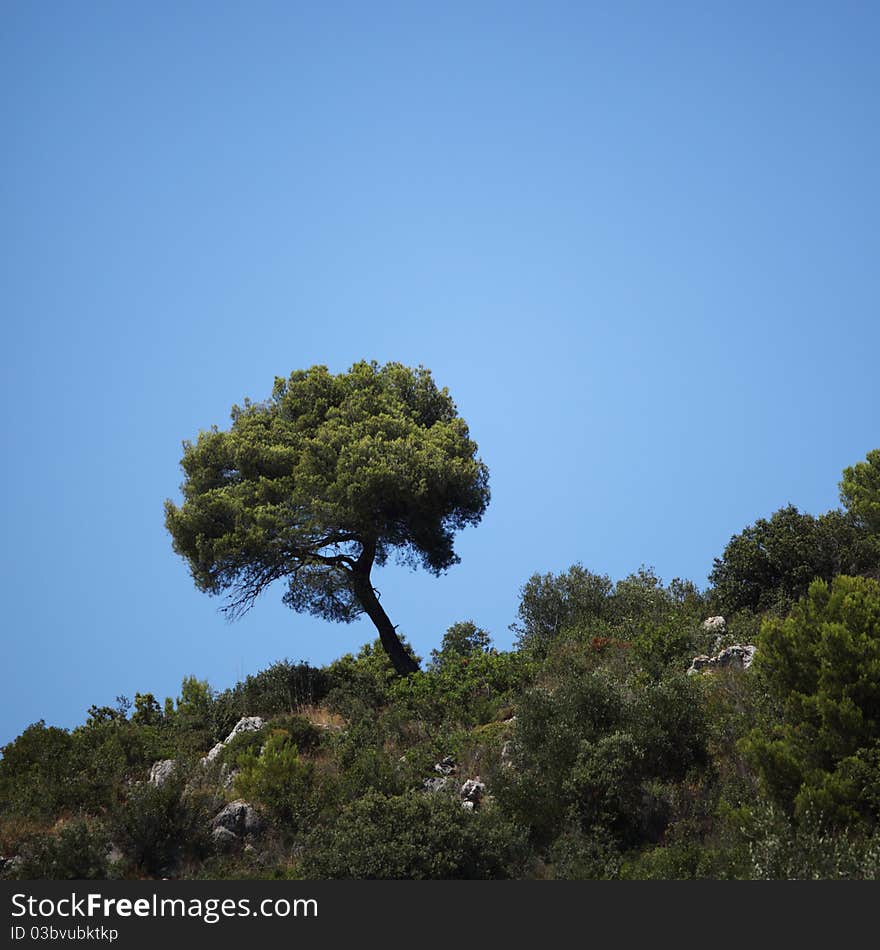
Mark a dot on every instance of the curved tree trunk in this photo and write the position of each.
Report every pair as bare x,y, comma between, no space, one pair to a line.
402,661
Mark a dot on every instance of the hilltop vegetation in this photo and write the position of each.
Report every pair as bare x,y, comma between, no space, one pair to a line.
587,751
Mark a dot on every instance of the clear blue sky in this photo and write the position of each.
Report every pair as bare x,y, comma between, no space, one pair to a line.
637,241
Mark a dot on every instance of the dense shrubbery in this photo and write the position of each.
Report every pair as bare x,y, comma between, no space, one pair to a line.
822,663
600,757
415,836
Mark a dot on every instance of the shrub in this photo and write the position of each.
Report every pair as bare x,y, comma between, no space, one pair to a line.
78,852
282,688
278,779
594,750
361,683
35,772
770,565
461,640
415,836
158,827
822,663
808,849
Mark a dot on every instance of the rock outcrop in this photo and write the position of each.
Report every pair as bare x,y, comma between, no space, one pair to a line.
738,656
716,625
446,766
245,724
234,822
471,793
161,771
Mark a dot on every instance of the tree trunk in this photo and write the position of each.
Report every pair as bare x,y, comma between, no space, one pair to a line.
363,589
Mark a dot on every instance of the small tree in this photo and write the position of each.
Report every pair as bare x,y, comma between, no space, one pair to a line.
821,756
860,491
323,481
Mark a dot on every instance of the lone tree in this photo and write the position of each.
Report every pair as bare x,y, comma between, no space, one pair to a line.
323,481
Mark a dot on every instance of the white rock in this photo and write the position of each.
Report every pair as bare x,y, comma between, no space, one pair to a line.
472,791
245,724
239,817
161,771
738,656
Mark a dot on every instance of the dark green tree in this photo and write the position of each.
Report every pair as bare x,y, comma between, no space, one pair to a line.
819,752
461,640
770,565
860,491
322,482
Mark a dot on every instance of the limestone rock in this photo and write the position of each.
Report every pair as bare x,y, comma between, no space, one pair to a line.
245,724
738,656
161,771
716,625
471,793
446,766
239,817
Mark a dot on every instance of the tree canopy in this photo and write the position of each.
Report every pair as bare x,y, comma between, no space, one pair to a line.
860,491
322,481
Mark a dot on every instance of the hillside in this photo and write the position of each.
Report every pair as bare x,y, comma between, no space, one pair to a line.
637,730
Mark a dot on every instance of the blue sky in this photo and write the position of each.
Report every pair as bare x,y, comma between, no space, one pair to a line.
637,241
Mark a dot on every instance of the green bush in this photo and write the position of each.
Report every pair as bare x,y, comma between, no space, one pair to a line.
78,852
306,736
279,780
770,565
35,772
822,664
284,687
361,684
809,849
157,828
594,751
461,690
415,836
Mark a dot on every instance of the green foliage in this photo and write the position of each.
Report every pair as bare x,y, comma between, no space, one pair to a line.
147,711
364,760
415,836
551,603
105,754
284,687
684,861
303,734
770,565
362,682
460,641
278,779
78,852
327,477
822,663
98,715
860,491
242,746
35,772
158,827
781,849
461,690
593,752
659,622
